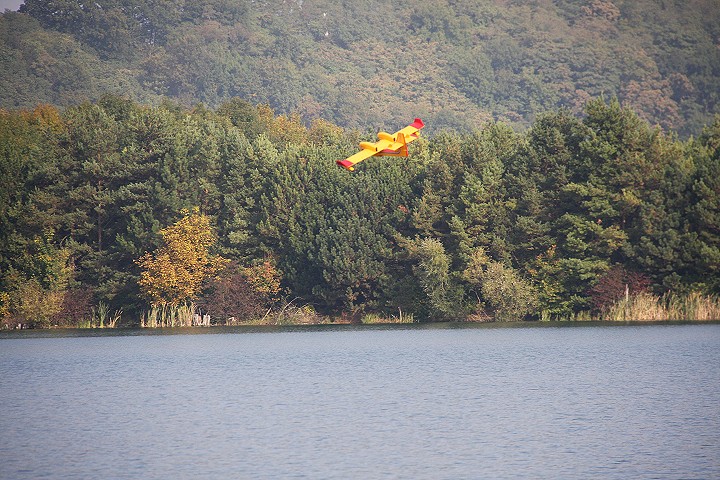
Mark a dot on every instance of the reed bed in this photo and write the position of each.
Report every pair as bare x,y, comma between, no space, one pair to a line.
101,317
653,308
164,316
374,318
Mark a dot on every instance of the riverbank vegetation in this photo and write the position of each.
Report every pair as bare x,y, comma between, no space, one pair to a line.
656,308
115,211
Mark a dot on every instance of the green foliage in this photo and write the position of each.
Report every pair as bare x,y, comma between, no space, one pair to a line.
705,209
506,293
500,289
457,64
37,283
434,276
491,224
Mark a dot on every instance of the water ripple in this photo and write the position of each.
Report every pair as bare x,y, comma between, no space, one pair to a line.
631,402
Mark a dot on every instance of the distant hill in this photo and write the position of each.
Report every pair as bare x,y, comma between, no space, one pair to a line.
367,63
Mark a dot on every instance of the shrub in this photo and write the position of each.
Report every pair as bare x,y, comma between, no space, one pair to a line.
76,308
506,292
616,284
242,293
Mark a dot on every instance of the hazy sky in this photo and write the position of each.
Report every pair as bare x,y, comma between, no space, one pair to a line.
10,4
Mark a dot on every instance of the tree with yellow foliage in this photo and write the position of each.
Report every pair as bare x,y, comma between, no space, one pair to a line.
174,272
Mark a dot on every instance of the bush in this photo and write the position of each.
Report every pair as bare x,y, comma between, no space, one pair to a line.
508,294
242,293
76,308
616,284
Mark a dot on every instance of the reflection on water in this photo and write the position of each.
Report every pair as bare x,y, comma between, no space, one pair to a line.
348,402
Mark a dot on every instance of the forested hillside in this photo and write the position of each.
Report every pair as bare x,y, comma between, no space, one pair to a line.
544,223
366,64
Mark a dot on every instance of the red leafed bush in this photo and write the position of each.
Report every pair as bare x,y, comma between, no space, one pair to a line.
615,285
242,293
76,307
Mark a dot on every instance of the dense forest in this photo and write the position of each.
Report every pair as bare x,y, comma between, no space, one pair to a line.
365,63
101,201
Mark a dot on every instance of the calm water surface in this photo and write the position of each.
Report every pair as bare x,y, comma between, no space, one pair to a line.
418,403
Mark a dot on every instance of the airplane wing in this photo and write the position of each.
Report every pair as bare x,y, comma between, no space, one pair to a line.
388,145
349,163
411,131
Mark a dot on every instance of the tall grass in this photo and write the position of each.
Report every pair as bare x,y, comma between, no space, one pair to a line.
647,307
101,317
163,316
372,318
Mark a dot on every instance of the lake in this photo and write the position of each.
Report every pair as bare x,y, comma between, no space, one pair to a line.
415,402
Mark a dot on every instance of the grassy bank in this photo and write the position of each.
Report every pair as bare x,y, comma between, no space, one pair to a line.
668,307
637,308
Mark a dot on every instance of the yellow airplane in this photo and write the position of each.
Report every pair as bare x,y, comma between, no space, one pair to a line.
394,145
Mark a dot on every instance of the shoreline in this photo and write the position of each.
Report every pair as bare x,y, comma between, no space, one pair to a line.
54,332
